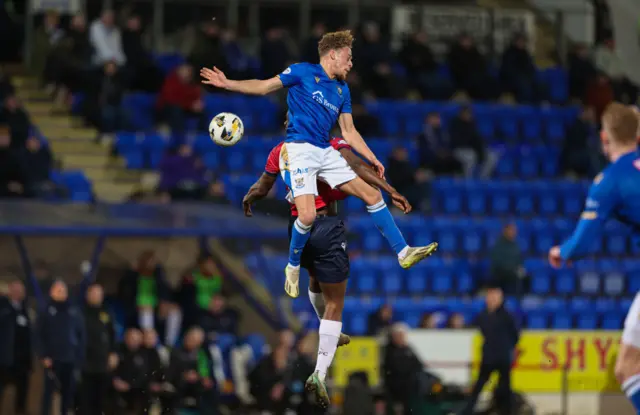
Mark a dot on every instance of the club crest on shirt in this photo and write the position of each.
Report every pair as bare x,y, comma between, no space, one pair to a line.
339,91
299,182
317,80
598,178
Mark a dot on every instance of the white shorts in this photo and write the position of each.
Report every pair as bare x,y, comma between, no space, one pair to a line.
631,332
301,164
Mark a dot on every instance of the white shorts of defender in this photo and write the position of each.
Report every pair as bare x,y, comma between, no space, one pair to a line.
631,332
301,164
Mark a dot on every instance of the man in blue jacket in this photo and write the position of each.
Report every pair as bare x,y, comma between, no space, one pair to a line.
15,343
62,346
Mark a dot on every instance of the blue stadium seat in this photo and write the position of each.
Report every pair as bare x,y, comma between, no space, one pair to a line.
587,321
541,283
614,284
537,320
417,279
442,282
562,322
565,282
590,283
612,321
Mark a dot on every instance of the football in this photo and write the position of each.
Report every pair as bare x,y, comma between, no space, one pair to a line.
226,129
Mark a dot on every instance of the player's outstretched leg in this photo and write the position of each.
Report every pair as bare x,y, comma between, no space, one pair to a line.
407,256
628,363
317,301
300,233
330,329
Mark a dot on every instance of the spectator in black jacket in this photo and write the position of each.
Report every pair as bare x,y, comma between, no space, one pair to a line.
103,104
62,346
191,374
435,151
12,175
219,319
501,335
469,148
19,123
380,321
144,74
155,356
416,55
407,179
37,164
268,380
518,71
130,379
100,357
402,369
15,344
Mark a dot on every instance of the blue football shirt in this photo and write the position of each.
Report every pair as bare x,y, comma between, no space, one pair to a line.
315,101
614,194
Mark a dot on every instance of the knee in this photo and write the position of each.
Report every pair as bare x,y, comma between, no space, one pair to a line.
333,310
306,217
371,195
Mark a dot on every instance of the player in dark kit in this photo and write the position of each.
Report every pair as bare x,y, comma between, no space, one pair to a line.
325,255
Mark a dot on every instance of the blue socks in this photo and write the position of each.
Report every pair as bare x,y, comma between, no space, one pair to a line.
631,388
299,237
387,226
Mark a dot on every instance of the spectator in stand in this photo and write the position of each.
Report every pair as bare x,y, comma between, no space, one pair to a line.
13,178
578,157
518,71
469,148
16,353
106,40
507,263
372,53
130,377
182,174
6,87
239,62
309,48
198,288
470,70
44,40
147,297
581,71
37,164
103,105
145,75
62,344
380,321
429,321
599,94
608,60
217,193
218,319
100,356
156,376
358,395
402,369
418,58
18,121
413,183
268,380
434,148
190,373
70,64
455,322
207,50
367,123
274,51
180,99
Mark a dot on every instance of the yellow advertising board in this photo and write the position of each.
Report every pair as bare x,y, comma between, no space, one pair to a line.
542,356
361,355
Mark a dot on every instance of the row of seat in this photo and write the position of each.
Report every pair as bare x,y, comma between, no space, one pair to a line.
75,182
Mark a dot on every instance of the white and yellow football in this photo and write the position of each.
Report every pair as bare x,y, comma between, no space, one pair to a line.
226,129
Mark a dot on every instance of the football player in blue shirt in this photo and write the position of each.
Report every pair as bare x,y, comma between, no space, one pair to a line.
614,194
318,96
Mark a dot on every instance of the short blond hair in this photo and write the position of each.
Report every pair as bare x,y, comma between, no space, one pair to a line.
621,122
335,40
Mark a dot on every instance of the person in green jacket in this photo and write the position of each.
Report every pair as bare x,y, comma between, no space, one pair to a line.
198,288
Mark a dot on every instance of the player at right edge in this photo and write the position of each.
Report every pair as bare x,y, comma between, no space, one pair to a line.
614,194
318,97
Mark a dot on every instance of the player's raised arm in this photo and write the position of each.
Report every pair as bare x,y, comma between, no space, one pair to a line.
598,208
218,79
258,191
355,140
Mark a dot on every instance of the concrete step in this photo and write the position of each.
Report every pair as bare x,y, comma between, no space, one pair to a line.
33,95
77,146
83,161
113,192
38,107
66,133
113,174
45,121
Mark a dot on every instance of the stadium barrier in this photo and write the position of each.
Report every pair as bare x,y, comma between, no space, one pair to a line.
565,372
